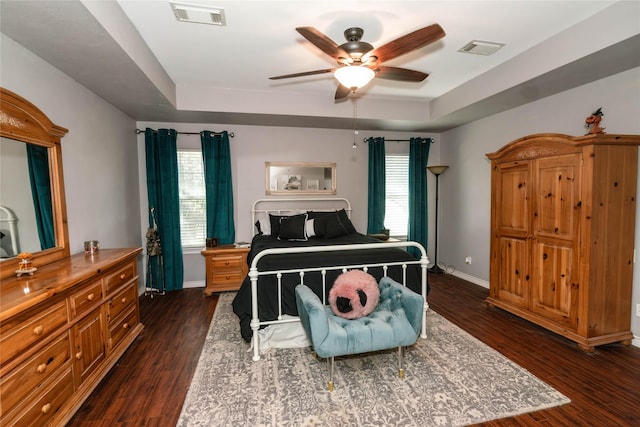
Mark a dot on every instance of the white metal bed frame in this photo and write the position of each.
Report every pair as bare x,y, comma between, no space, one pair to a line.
301,205
254,273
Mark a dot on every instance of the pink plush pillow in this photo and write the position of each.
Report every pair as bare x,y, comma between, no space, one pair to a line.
354,294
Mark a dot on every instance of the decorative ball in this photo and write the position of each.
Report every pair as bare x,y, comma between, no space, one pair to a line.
354,294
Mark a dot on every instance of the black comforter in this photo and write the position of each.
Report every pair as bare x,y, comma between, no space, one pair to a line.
267,285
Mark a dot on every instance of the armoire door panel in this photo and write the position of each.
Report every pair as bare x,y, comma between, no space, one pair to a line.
557,201
554,292
512,199
513,279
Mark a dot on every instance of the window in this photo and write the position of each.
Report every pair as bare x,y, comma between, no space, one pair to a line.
193,213
397,194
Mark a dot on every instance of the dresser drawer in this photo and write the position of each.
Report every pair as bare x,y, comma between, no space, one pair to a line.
47,404
227,262
85,299
230,278
121,301
20,337
120,277
34,372
121,326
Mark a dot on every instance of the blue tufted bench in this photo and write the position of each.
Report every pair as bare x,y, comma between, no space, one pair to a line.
395,322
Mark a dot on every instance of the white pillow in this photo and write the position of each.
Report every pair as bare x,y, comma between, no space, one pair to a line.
265,225
309,231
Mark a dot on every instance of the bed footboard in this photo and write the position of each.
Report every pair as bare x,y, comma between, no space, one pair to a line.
255,273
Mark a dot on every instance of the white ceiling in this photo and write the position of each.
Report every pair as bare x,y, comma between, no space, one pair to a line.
140,58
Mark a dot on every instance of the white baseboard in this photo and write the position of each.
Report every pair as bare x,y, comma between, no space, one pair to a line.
194,284
635,341
471,279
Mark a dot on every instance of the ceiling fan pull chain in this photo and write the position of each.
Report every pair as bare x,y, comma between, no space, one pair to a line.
355,119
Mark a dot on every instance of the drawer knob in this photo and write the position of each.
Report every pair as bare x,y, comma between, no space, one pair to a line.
226,263
227,277
124,300
79,355
125,326
41,368
91,296
38,330
122,276
46,408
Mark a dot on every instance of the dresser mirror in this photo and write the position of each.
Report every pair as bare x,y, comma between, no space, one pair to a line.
33,216
300,178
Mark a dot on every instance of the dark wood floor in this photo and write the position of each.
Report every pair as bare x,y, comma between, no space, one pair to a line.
148,385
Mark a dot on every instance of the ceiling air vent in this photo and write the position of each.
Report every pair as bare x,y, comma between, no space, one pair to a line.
198,14
481,48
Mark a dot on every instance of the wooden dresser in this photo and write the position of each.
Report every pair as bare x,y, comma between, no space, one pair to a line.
226,268
62,330
563,215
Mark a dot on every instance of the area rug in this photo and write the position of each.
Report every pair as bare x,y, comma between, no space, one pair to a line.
451,379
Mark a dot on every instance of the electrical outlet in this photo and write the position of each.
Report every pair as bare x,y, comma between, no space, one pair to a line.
467,260
638,310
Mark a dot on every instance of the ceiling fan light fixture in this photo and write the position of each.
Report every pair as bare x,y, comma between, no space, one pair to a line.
354,77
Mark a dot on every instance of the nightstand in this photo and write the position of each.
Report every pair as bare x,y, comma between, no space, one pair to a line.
226,268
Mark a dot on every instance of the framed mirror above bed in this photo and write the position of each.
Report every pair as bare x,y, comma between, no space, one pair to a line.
296,178
31,143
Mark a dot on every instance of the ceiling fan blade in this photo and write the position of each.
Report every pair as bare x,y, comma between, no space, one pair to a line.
408,42
400,74
323,42
342,92
306,73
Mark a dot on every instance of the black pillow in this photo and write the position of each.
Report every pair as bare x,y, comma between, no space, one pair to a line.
334,226
274,221
320,226
344,218
293,227
258,227
319,214
346,222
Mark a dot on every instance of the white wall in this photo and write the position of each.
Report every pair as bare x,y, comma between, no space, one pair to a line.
253,145
99,152
466,186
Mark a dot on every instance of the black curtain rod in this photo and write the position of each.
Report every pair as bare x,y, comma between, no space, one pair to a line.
431,140
231,134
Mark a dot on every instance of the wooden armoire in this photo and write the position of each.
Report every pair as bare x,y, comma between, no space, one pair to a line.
563,214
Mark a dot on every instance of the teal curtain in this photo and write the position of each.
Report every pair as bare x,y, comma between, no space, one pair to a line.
162,191
418,218
38,160
218,184
377,192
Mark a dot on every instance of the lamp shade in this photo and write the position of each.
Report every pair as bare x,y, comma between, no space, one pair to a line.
354,76
437,170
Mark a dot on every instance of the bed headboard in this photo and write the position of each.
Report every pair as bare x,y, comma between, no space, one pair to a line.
9,227
261,208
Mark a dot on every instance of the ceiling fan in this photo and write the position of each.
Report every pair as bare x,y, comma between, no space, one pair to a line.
356,57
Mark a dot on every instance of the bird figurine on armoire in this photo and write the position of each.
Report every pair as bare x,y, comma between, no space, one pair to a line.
593,122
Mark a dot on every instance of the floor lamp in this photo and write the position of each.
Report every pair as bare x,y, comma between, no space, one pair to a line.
437,170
